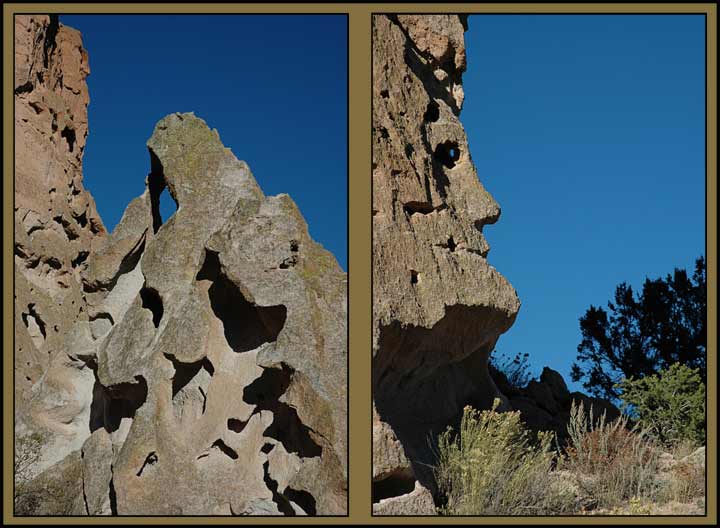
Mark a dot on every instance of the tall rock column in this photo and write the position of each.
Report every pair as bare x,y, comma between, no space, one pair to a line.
438,305
56,226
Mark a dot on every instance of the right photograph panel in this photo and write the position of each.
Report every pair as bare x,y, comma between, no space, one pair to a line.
589,130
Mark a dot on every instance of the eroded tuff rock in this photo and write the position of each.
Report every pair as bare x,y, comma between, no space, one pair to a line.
207,372
545,403
56,226
438,306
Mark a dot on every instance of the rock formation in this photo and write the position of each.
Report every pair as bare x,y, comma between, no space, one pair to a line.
545,404
438,305
204,370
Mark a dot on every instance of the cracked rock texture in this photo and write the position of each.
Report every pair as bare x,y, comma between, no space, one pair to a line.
438,305
204,372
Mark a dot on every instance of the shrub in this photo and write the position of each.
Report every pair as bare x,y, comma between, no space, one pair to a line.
614,463
516,370
670,404
491,467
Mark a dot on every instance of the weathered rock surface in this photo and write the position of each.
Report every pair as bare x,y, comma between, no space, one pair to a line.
207,372
438,306
56,226
545,404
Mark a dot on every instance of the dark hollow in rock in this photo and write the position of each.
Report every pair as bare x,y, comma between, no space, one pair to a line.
227,450
447,153
286,427
303,499
185,372
111,404
432,113
151,301
280,500
397,483
69,135
236,425
150,460
412,208
246,325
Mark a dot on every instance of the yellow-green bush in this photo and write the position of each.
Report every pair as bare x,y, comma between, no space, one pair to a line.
491,467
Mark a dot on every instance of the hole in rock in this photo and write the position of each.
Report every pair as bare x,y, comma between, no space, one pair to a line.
185,372
409,149
286,427
236,425
282,503
80,258
384,94
35,325
413,277
303,499
222,446
82,219
151,301
447,153
246,325
162,203
432,113
69,135
150,460
398,483
111,404
412,208
384,133
451,245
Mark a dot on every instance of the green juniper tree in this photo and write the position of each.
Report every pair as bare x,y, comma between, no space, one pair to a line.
642,334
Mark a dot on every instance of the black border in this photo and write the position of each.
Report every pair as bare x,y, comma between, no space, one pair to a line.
347,257
373,14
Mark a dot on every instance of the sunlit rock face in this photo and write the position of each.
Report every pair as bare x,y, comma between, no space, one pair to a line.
206,373
438,305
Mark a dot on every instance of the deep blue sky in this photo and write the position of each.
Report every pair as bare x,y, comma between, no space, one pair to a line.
589,131
275,87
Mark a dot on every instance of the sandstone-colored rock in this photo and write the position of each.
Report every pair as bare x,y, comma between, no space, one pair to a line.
438,305
417,502
188,365
56,225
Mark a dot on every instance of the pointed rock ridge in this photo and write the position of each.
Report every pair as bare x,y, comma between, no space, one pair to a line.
206,373
230,360
439,307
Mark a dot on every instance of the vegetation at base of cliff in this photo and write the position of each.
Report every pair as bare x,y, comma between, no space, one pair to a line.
669,404
641,334
494,466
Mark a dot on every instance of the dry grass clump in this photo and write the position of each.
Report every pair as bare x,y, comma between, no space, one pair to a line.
615,464
684,480
491,467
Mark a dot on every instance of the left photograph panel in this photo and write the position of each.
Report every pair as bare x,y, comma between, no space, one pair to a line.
180,265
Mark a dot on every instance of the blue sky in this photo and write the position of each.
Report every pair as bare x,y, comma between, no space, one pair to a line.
274,86
590,133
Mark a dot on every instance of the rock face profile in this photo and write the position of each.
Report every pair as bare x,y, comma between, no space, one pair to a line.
438,305
194,365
